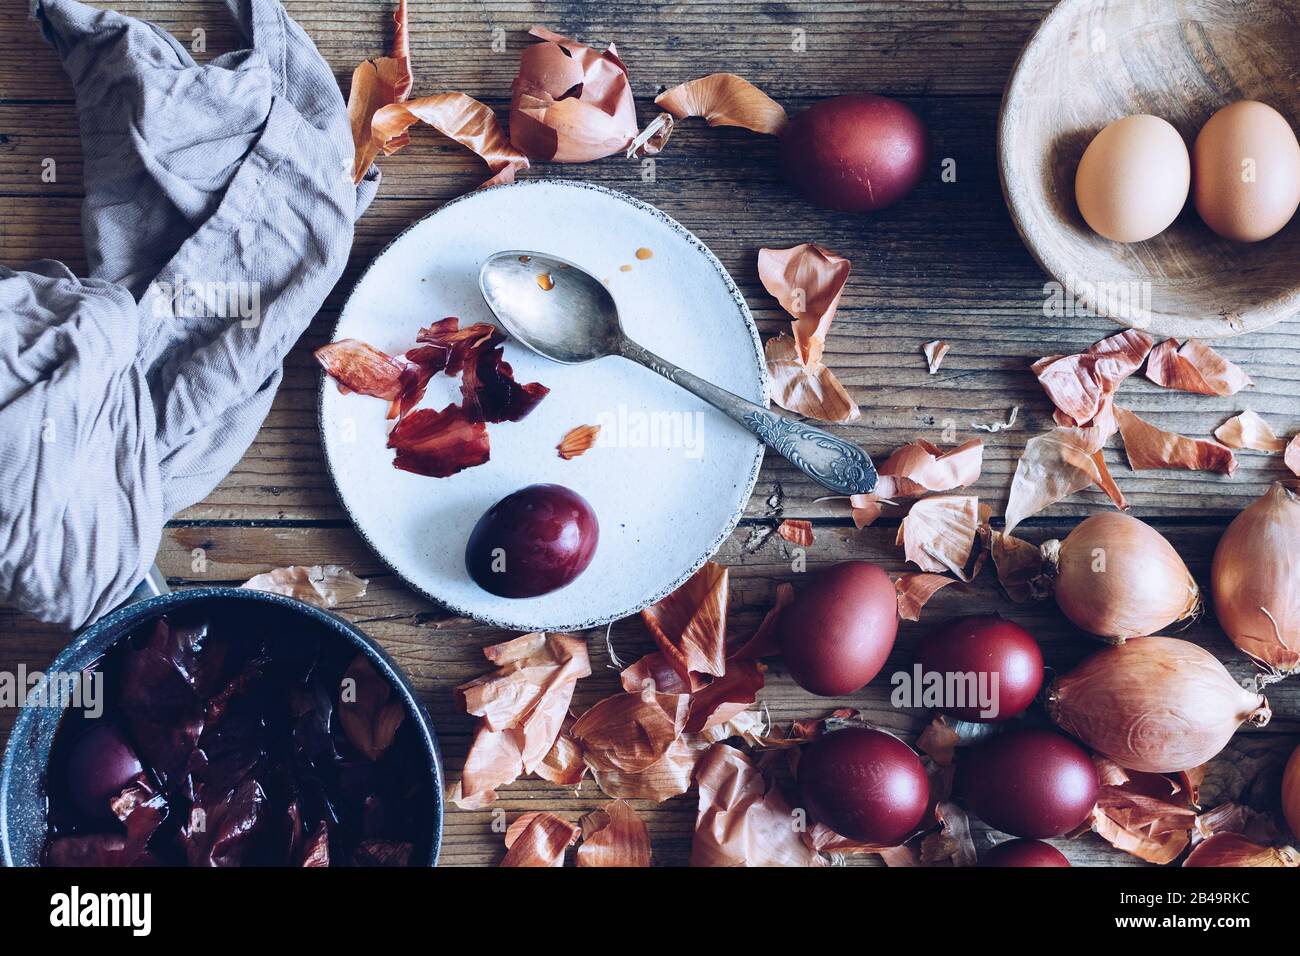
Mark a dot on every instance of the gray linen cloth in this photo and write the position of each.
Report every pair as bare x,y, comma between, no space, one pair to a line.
218,215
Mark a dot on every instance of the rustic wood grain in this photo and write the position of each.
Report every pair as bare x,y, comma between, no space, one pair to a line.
871,44
945,264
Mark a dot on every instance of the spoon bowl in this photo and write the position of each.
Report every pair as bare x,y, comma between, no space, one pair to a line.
563,313
551,306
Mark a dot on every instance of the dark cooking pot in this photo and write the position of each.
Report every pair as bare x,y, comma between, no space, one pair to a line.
22,779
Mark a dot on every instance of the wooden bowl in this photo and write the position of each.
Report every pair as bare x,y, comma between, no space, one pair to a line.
1091,62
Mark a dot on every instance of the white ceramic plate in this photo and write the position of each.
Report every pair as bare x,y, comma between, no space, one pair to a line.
671,476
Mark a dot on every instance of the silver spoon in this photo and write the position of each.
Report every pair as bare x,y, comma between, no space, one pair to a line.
567,315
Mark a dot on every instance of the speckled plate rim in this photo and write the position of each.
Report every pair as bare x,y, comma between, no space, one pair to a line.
760,363
1283,306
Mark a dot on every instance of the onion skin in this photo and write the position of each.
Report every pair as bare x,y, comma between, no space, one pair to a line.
1257,568
1158,705
1233,849
1023,853
1031,782
1291,792
1117,577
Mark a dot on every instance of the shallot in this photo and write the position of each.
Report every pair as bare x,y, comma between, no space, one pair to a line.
1256,579
1158,705
1117,578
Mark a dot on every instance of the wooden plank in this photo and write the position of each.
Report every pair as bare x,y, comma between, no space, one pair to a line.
793,48
439,651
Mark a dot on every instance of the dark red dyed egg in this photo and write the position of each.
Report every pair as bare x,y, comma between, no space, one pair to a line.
100,764
837,633
855,153
1030,782
532,542
1024,853
994,666
864,784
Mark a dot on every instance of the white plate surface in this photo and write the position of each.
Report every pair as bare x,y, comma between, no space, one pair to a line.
671,476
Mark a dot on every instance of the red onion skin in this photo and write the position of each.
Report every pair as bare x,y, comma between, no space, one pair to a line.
990,645
1030,782
864,784
855,153
1021,853
837,633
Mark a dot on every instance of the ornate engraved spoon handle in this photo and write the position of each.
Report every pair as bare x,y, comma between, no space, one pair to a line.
831,461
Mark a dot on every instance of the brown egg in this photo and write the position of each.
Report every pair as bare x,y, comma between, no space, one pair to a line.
1246,169
837,633
1133,179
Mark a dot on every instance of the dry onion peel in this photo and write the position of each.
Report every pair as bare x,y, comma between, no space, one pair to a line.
1079,385
460,118
1157,705
724,99
325,586
1231,849
1194,368
1019,566
577,441
938,534
1256,578
1292,456
1150,816
614,835
1117,577
690,625
808,281
915,590
934,354
375,84
539,839
1147,446
1248,430
569,102
521,709
796,531
741,821
1059,463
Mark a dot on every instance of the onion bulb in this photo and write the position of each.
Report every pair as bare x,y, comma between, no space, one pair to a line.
1256,579
1291,792
1233,849
1158,705
1117,577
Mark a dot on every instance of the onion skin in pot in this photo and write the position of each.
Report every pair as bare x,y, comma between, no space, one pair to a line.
1256,579
1031,782
1291,792
1158,705
1022,853
1117,577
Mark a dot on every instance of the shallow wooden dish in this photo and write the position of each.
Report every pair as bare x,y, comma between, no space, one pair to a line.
1091,62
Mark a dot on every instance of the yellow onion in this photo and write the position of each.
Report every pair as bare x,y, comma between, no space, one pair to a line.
1233,849
1256,578
1158,705
1291,792
1116,577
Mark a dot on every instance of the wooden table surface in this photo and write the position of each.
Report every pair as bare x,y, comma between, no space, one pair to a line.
946,263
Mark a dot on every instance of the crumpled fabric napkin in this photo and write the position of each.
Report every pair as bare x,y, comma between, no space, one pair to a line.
219,213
